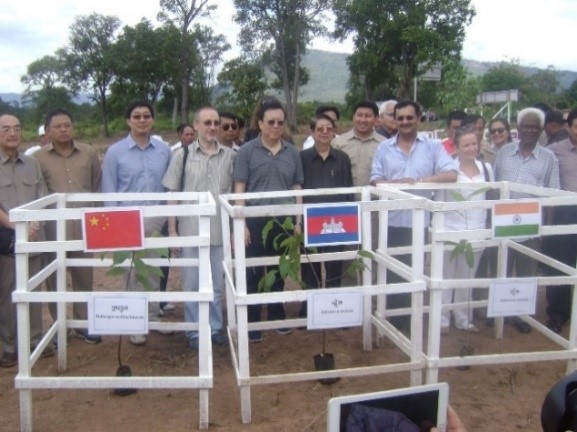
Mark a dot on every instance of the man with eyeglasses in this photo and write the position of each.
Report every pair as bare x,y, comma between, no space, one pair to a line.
409,157
324,167
329,110
21,181
228,130
454,120
204,166
265,164
137,164
387,126
70,167
526,162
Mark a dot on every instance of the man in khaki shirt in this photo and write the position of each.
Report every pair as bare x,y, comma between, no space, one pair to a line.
361,142
20,182
70,167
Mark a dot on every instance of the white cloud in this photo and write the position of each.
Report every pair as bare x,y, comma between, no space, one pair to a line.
538,33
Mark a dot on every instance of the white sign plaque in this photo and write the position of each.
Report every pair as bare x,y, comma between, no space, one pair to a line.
123,313
334,309
512,297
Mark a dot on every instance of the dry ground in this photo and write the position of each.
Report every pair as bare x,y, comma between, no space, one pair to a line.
503,398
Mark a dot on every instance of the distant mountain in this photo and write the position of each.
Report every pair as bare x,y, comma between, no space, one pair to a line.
329,77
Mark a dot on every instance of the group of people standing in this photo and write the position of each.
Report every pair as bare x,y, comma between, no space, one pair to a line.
209,157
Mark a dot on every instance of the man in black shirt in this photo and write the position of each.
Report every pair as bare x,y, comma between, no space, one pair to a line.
324,167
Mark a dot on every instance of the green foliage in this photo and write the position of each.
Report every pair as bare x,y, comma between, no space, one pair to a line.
463,247
181,15
396,41
290,246
141,269
281,31
245,82
543,86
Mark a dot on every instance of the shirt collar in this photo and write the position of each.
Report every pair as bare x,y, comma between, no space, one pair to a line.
5,158
195,147
315,153
151,141
50,146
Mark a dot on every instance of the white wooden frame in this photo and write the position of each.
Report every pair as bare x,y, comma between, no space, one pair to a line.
372,199
199,205
435,283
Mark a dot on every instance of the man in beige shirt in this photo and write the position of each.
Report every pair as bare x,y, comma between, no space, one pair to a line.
70,167
203,166
20,182
361,142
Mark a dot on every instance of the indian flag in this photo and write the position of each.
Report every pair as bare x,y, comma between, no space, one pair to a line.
520,219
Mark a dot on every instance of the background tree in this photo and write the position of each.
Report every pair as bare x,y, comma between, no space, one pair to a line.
45,87
396,41
282,29
457,88
181,14
209,49
142,65
90,58
244,82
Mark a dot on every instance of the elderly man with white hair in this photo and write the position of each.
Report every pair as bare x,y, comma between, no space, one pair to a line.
387,124
528,163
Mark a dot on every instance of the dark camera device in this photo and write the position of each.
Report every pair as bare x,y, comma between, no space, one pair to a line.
405,409
559,410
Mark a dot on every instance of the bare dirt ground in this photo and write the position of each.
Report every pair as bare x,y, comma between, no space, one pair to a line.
488,398
503,398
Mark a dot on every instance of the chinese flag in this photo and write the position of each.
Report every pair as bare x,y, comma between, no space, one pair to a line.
114,229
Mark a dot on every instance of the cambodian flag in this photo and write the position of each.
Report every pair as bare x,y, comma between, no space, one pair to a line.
336,224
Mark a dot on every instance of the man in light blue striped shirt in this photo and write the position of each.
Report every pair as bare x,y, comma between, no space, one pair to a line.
408,157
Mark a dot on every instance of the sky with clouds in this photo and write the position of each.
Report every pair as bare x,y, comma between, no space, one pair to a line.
536,32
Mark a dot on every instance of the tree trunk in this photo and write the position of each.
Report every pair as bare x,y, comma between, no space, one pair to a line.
103,113
174,110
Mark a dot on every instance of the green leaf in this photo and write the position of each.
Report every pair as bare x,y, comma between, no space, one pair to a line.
144,281
266,230
161,252
155,270
365,254
120,256
457,196
267,281
288,224
283,266
277,239
469,255
115,271
480,191
141,268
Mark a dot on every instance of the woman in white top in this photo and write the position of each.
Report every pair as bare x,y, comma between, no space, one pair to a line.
471,170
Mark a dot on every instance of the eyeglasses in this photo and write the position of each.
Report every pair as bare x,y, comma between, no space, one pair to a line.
227,126
321,129
272,123
211,123
139,117
403,118
497,131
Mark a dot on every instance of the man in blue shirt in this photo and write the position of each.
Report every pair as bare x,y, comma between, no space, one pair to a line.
137,163
408,157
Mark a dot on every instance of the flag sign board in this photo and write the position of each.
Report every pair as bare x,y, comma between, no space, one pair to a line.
334,309
519,219
332,224
510,297
122,313
113,229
